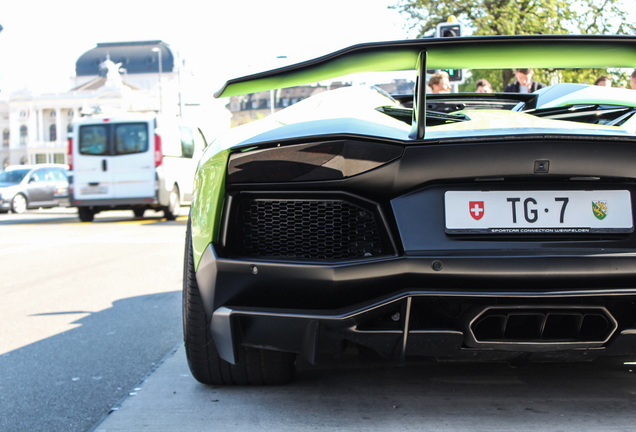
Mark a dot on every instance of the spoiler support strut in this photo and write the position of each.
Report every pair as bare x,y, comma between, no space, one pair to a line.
419,99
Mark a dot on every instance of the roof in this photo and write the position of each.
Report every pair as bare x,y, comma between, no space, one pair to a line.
97,83
136,57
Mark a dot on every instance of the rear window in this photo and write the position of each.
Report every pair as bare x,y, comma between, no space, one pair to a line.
131,138
112,139
93,140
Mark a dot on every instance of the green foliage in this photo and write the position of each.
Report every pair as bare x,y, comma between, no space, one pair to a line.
579,76
518,17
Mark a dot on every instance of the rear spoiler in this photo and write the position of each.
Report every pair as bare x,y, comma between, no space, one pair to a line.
481,52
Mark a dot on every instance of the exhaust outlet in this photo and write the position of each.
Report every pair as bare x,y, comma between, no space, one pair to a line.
541,327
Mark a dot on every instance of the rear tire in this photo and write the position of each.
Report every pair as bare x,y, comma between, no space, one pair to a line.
19,204
174,205
255,366
139,212
85,214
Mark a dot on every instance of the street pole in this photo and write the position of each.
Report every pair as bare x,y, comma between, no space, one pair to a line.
158,51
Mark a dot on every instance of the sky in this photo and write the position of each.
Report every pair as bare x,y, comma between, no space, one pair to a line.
218,39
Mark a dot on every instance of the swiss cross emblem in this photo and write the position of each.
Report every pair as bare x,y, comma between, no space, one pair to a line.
476,209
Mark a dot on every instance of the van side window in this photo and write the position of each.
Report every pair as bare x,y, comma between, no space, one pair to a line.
187,142
131,138
93,140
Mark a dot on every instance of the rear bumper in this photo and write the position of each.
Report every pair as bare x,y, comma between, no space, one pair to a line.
426,306
316,335
114,203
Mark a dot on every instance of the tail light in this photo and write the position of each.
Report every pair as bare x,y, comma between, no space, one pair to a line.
70,154
158,151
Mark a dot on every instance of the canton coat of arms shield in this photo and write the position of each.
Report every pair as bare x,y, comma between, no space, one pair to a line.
599,208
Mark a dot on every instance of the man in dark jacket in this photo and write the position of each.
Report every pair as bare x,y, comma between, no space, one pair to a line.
524,83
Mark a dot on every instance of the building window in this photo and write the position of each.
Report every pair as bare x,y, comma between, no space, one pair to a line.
53,132
59,158
40,158
5,138
24,135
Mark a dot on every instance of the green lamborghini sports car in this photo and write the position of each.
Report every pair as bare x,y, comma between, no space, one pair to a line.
486,227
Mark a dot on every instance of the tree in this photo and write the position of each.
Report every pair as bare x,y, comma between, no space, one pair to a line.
518,17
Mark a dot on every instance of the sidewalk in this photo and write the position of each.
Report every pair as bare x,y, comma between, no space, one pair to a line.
352,396
162,402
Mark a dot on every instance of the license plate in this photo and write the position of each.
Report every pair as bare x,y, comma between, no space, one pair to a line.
538,212
94,190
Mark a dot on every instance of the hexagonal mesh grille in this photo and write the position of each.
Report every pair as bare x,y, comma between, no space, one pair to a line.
304,229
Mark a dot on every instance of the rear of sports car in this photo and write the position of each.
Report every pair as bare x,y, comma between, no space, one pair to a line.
496,237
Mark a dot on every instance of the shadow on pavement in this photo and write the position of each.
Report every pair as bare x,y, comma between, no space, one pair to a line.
67,382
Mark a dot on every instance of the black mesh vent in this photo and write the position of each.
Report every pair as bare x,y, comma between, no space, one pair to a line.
303,229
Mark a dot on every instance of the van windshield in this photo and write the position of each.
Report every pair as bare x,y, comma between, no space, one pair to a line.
113,139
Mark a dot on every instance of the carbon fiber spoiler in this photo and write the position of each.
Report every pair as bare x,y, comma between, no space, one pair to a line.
482,52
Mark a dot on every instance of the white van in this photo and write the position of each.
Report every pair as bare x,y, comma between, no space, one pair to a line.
135,162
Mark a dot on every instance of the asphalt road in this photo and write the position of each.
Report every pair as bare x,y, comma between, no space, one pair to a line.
87,311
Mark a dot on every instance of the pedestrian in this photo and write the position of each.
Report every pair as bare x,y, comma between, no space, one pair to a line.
524,83
603,81
440,82
483,86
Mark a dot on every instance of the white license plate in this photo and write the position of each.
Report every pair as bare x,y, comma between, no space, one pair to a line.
94,190
538,212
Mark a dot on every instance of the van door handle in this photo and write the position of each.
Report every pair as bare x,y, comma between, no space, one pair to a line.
104,165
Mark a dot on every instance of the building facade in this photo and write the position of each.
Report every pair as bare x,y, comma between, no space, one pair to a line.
143,76
112,77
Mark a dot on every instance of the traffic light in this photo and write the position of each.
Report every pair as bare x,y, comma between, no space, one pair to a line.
448,29
451,28
454,75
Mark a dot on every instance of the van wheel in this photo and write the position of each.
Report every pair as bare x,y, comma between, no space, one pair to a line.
172,211
139,212
19,204
86,214
255,366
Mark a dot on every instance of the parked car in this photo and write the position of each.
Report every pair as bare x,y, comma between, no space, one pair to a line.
25,187
133,161
475,227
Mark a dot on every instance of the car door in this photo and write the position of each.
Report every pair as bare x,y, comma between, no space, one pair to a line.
38,189
133,163
91,159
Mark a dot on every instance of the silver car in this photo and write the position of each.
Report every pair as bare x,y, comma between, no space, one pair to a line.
24,187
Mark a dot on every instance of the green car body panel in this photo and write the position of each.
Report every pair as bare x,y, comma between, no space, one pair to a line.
207,202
